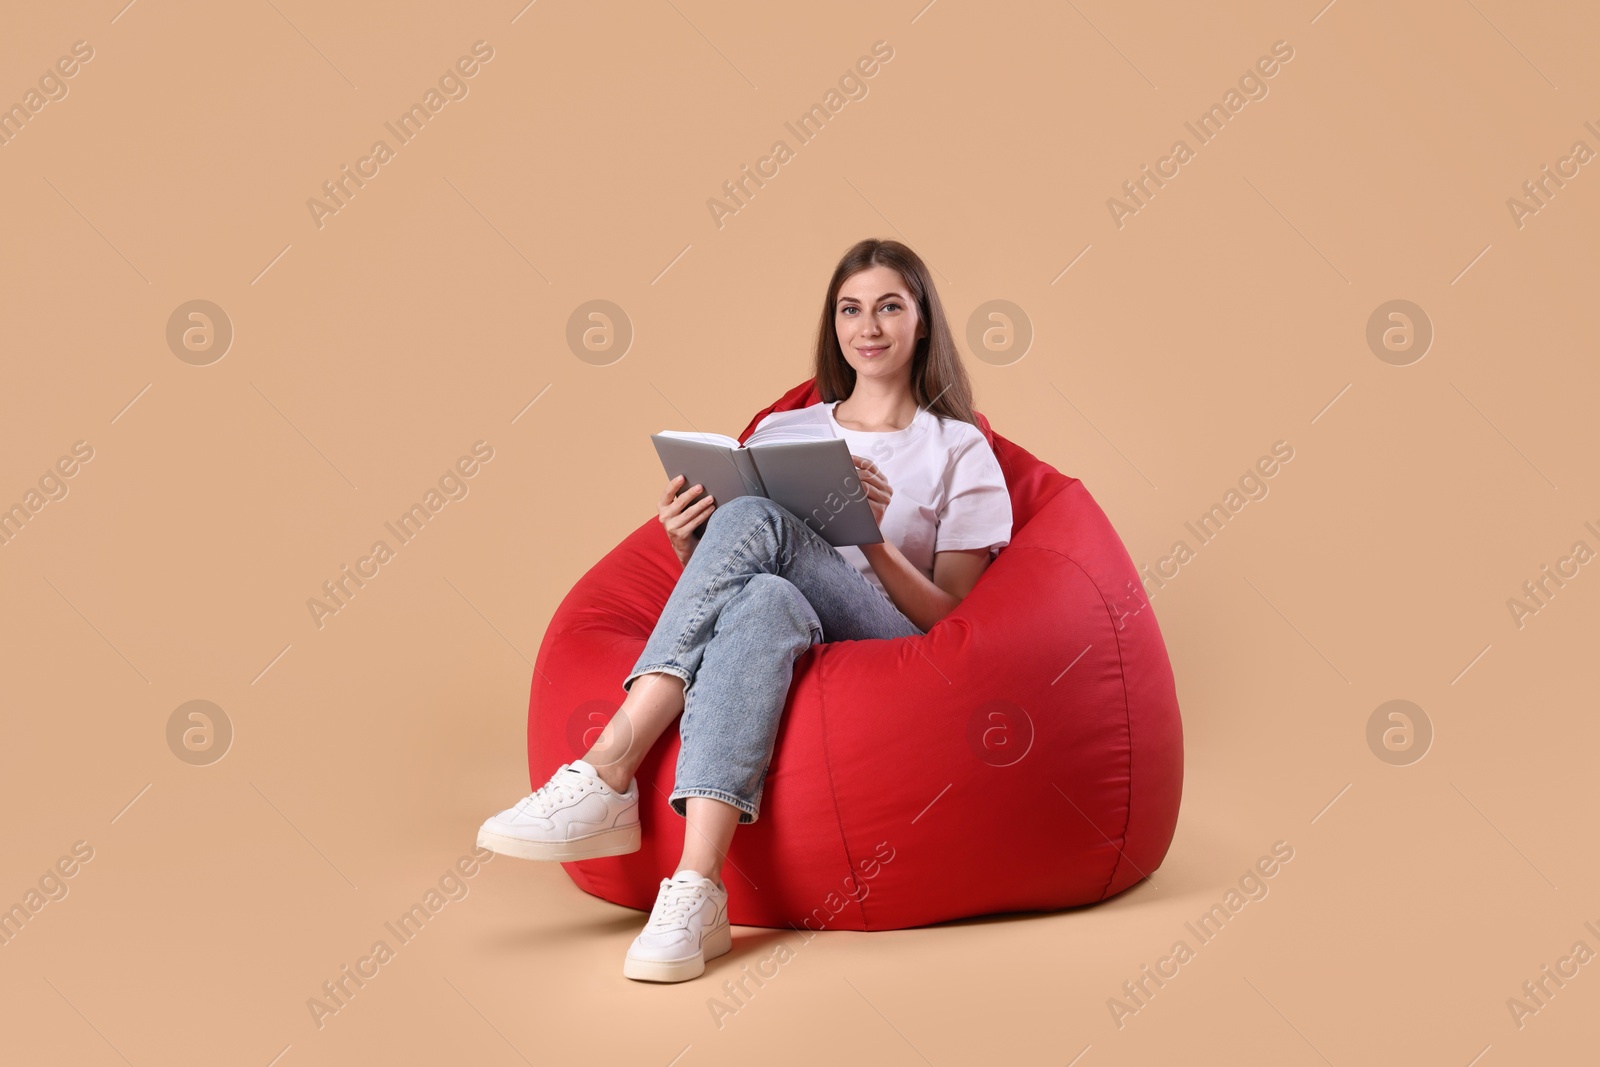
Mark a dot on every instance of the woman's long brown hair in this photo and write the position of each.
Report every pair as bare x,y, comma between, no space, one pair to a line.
939,381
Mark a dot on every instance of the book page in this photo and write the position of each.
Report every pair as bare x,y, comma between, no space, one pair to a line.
707,438
767,435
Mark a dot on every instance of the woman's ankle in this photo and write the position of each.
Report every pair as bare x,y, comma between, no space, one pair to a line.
716,878
613,775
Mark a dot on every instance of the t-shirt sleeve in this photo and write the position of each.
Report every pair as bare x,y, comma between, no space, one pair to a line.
977,505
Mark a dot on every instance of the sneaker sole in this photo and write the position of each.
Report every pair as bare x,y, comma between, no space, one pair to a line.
617,842
717,942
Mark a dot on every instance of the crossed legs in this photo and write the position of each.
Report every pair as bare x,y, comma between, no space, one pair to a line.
653,702
760,589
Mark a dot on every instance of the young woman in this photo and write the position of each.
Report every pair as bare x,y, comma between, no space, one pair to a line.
759,587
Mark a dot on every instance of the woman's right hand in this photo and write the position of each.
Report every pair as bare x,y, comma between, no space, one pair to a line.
680,520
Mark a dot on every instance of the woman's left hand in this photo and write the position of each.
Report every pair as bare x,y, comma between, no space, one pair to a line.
876,485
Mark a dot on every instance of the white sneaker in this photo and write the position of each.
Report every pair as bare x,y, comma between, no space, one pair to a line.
573,816
688,926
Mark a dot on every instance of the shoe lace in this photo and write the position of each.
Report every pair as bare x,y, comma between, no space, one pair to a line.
674,903
554,793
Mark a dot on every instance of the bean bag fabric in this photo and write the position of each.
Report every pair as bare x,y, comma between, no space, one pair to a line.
1026,754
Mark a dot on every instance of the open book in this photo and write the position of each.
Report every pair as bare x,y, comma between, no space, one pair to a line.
804,468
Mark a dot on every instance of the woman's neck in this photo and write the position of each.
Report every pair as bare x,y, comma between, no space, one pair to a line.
874,411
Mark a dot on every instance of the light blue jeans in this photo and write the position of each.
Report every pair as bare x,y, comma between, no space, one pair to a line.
760,589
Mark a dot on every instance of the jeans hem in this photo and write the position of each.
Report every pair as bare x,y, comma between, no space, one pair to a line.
679,802
663,668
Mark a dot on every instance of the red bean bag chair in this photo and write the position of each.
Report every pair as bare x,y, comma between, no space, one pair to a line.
1026,754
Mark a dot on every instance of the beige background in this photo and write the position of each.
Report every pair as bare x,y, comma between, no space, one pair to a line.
368,354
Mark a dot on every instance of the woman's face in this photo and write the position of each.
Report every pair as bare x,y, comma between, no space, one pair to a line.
877,323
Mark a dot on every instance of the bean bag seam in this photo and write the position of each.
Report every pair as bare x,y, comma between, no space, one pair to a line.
1127,720
1127,716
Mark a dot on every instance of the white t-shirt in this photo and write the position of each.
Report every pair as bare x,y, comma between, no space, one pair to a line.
949,492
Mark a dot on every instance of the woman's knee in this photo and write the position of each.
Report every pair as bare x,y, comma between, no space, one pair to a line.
773,593
743,513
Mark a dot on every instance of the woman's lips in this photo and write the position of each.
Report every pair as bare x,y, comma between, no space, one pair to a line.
869,353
